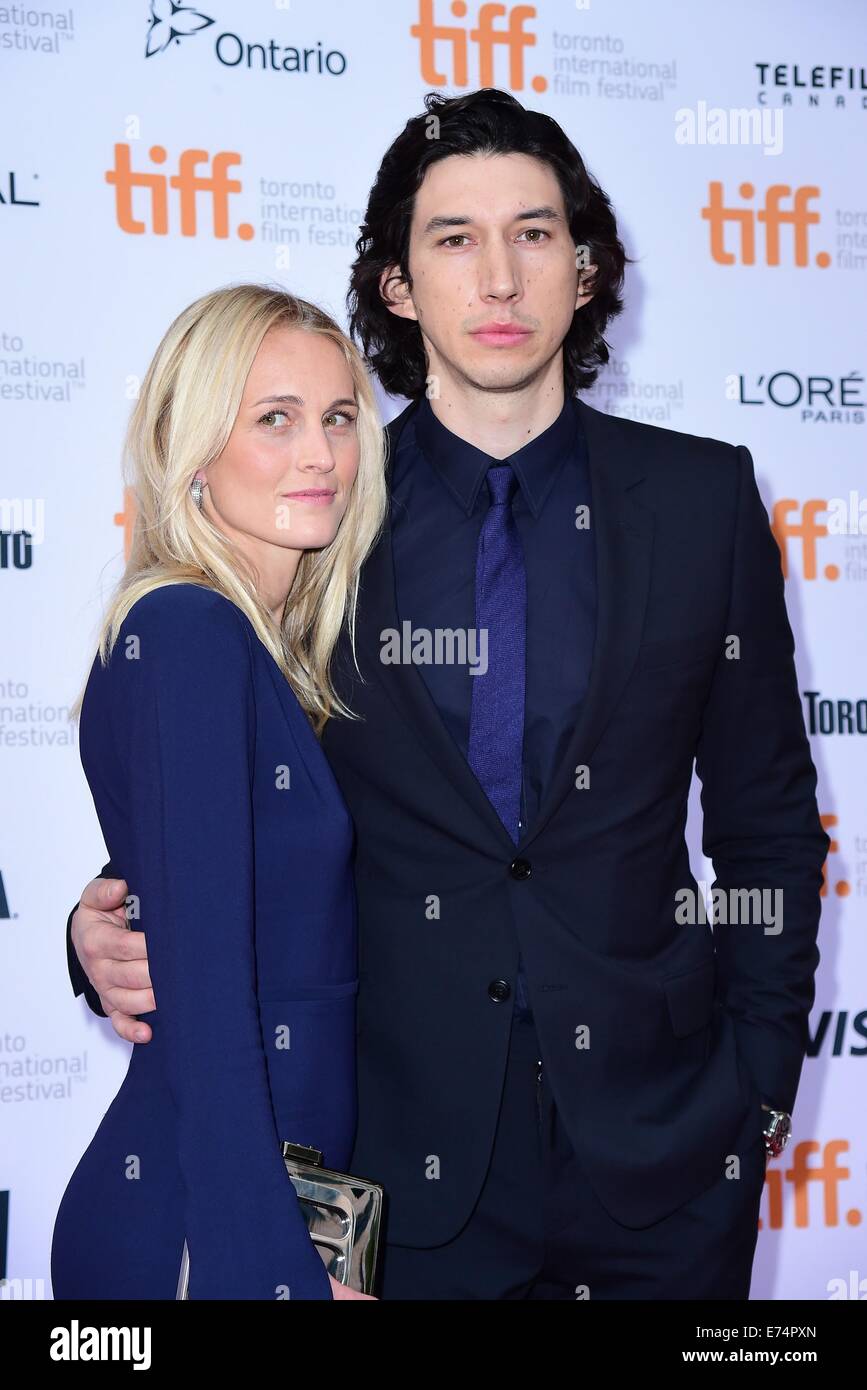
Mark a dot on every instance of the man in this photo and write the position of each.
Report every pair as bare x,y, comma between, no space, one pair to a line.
568,1081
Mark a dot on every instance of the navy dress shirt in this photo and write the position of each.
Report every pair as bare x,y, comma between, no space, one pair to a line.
438,503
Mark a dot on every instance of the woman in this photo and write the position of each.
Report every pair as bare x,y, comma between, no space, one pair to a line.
258,472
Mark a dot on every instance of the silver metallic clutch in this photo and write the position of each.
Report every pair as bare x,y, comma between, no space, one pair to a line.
343,1216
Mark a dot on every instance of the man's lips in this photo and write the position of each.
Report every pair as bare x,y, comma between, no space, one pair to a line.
501,334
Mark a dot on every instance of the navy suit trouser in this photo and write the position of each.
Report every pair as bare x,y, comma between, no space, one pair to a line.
538,1231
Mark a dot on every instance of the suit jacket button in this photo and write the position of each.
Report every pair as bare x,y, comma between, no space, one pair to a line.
498,990
520,868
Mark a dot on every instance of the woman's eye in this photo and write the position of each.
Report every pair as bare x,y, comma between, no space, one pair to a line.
269,417
339,415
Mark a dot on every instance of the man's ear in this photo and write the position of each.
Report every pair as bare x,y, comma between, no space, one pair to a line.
396,294
585,275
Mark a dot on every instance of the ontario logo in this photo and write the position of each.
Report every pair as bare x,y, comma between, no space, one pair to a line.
169,23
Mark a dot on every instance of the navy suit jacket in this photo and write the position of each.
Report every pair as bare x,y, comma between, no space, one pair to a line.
658,1038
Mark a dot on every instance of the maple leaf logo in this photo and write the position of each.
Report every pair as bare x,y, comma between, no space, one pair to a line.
170,21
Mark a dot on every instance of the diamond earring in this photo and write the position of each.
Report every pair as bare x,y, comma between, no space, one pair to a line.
196,492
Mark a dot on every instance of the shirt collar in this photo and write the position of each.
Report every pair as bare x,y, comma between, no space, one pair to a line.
462,467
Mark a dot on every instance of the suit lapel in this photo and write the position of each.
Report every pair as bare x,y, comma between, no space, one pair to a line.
404,684
623,532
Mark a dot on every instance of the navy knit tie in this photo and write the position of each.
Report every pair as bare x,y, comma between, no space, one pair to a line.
496,740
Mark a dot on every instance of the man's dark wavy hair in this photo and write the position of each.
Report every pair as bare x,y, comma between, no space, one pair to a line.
484,122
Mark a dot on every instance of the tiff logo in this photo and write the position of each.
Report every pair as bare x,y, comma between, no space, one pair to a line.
808,530
513,38
188,183
772,216
825,1177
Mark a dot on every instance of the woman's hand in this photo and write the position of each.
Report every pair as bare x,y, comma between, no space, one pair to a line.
341,1291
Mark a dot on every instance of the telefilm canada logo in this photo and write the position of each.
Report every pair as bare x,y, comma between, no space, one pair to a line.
811,85
172,25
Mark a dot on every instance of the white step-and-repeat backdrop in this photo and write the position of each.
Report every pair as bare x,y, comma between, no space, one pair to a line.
731,141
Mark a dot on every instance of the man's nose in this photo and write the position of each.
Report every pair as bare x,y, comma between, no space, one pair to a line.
498,275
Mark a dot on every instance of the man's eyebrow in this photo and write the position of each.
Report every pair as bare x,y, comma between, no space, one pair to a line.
540,214
299,400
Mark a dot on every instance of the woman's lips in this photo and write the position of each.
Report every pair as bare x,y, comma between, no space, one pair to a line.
320,496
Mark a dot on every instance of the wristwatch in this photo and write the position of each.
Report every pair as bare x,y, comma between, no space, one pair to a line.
777,1131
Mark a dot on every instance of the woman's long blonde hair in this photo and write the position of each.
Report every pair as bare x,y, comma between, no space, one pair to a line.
182,419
